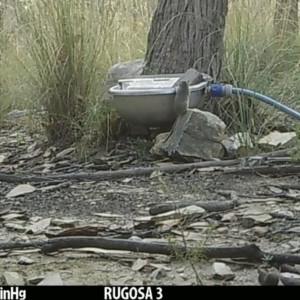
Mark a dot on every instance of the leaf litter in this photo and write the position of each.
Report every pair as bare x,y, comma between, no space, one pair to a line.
119,209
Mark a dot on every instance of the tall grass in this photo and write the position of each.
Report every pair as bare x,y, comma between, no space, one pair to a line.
57,54
257,59
60,55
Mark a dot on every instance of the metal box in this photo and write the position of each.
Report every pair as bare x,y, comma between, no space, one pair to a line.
148,100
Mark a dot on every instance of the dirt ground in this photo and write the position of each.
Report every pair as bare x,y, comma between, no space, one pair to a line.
125,201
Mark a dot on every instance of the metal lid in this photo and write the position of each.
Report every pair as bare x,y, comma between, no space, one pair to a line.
147,83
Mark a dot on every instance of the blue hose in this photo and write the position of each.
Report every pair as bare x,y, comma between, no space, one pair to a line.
219,90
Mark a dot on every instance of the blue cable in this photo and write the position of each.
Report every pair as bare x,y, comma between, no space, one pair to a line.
220,90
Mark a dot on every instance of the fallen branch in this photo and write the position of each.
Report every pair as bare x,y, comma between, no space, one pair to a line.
266,170
294,198
77,231
137,172
285,187
21,245
209,206
250,252
280,153
108,175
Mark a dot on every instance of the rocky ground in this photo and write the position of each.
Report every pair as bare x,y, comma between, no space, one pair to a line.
120,209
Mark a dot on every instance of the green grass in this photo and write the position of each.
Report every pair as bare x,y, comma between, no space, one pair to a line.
55,55
258,60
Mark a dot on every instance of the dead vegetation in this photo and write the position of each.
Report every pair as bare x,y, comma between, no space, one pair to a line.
120,217
200,226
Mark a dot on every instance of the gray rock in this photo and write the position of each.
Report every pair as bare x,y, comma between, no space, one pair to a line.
36,279
13,278
249,220
222,272
121,71
54,279
267,279
260,231
25,261
198,135
183,276
157,273
289,279
135,238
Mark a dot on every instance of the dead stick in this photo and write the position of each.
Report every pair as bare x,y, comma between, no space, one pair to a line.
279,153
266,170
107,175
21,245
250,252
209,206
284,186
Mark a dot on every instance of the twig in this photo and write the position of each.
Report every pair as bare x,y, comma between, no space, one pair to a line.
107,175
137,172
280,153
294,198
285,187
211,206
265,170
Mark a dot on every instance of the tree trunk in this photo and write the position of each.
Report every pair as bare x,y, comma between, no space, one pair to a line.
286,17
186,34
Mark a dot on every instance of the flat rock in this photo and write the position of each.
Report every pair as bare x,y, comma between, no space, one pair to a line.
53,279
230,217
13,278
260,231
157,273
249,221
20,190
39,226
25,261
289,279
36,279
222,272
276,139
64,223
185,211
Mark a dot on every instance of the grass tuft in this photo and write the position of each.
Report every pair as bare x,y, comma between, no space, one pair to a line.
66,44
54,56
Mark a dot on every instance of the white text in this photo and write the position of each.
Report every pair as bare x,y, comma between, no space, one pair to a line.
12,293
139,293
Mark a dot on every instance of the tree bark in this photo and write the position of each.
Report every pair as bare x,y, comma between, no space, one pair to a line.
286,17
186,34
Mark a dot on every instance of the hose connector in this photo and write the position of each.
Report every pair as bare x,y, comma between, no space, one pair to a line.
220,90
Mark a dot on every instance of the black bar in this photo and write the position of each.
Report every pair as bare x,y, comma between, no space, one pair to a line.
129,292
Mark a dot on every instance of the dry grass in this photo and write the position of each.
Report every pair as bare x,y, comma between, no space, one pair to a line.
258,60
55,55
